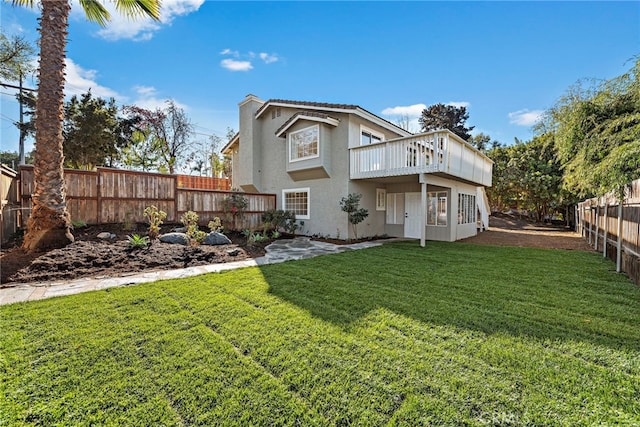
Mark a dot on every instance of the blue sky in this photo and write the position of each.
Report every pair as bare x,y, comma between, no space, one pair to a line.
506,61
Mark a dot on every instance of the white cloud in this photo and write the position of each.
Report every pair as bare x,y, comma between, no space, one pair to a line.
79,81
139,28
245,64
228,51
405,116
525,117
409,110
459,104
233,65
147,98
269,58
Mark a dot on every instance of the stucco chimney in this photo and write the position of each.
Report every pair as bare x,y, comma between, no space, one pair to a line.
250,149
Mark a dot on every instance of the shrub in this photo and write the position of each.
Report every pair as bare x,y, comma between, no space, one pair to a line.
281,220
215,225
190,220
234,206
255,237
78,223
351,205
156,217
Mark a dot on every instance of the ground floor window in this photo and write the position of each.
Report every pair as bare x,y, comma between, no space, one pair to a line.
437,208
466,209
297,201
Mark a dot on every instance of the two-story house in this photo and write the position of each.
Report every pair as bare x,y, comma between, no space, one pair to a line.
424,186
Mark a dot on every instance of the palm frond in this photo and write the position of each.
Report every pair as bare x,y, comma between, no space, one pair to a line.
95,12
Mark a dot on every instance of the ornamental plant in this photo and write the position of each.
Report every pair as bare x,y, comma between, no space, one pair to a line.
190,220
234,206
136,241
155,217
351,205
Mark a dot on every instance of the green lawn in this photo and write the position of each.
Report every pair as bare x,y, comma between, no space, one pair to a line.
453,334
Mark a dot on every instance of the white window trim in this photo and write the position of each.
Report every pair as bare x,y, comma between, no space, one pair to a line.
298,190
381,195
371,131
436,195
315,156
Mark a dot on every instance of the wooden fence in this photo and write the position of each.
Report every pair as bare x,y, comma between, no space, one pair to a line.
110,195
10,205
613,228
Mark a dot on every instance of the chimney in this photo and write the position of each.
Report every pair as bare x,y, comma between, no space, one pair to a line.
250,149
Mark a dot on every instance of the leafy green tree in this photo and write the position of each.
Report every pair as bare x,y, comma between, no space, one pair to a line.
483,142
527,176
440,116
12,158
597,134
50,224
356,214
16,56
94,132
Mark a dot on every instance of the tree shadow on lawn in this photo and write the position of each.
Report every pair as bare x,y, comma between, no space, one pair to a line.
545,294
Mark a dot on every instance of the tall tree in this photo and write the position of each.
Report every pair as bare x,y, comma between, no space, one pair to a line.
483,142
94,132
597,134
170,130
16,55
526,175
440,116
16,61
50,224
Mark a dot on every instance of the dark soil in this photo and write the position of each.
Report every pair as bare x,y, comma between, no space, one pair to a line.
90,256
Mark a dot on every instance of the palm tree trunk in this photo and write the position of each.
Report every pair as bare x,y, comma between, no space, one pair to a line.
49,225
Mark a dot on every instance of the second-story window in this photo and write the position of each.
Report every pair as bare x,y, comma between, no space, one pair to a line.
304,143
369,137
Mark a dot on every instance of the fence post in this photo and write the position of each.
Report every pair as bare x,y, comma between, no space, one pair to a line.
606,227
619,244
597,225
99,195
590,221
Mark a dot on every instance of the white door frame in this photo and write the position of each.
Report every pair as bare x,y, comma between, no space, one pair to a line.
412,215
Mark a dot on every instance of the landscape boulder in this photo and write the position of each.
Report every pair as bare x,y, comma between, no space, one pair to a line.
175,238
215,238
105,235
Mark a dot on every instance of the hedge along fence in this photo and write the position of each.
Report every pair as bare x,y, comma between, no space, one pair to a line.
613,228
108,196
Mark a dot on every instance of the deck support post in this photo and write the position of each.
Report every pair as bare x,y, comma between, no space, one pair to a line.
423,209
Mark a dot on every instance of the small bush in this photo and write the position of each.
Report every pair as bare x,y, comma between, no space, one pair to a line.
351,205
280,220
215,225
155,217
190,220
78,223
234,206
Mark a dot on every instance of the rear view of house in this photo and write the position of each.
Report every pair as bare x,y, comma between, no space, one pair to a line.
425,186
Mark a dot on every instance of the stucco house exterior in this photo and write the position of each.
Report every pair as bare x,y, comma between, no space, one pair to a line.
428,186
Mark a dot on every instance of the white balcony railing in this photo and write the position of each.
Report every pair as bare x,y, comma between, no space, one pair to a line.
424,153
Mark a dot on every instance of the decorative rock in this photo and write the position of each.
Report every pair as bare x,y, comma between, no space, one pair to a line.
105,235
233,252
175,238
215,238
